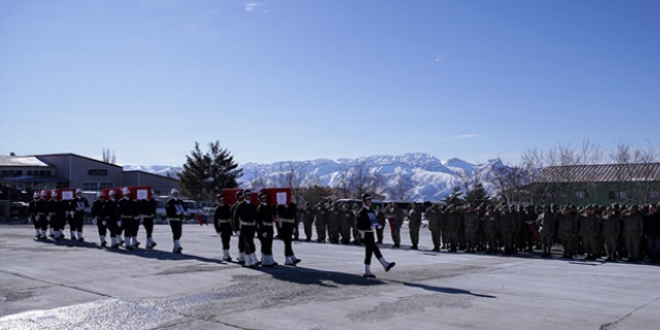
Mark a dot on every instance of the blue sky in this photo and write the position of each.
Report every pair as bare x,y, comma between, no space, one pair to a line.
301,80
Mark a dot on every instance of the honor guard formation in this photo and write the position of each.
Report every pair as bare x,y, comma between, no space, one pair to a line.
614,232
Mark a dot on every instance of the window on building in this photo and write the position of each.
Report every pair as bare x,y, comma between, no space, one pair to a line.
90,186
106,185
622,194
29,172
157,192
611,195
580,194
654,195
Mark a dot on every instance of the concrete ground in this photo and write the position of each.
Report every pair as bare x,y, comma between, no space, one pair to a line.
71,285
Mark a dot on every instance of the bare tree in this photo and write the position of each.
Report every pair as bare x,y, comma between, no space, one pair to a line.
260,181
109,156
293,175
400,188
344,182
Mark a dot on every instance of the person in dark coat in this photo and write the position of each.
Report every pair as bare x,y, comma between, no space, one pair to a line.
367,223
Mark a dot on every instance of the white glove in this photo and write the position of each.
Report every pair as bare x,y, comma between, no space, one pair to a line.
119,223
361,234
264,235
105,224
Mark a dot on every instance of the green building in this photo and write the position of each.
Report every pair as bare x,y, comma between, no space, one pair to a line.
598,184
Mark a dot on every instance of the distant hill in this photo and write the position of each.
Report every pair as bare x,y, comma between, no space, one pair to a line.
425,177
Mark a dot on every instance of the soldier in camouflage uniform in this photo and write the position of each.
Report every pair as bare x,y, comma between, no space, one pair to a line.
452,225
633,229
546,221
414,224
320,218
610,231
346,217
395,213
490,229
471,222
507,227
308,221
433,215
566,231
589,229
333,218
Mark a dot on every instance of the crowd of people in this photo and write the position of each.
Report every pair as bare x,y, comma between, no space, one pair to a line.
616,232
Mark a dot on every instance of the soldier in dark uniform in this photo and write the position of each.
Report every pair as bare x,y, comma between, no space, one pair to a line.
97,215
77,206
128,213
546,221
175,210
285,215
236,225
265,231
56,216
246,212
148,212
111,216
471,221
32,215
366,224
222,224
490,229
41,209
346,218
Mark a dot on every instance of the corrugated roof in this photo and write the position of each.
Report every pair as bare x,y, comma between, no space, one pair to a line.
601,173
21,161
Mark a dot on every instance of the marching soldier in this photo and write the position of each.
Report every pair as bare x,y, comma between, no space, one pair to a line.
246,212
285,219
32,215
111,215
148,212
56,214
41,209
77,206
264,218
366,224
128,213
97,215
222,223
236,225
175,210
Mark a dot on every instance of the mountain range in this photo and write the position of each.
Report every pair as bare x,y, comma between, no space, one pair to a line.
412,176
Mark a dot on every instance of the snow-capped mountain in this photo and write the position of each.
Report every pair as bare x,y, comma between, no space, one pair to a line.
413,176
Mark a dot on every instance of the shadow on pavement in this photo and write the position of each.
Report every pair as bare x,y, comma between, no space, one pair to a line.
325,278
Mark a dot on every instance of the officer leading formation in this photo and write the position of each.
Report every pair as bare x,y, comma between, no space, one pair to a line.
615,232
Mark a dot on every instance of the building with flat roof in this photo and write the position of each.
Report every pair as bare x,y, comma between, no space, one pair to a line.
68,170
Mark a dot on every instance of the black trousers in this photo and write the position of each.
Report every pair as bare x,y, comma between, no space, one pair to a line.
101,227
113,226
43,222
247,234
370,247
176,226
78,222
266,239
286,231
148,223
225,235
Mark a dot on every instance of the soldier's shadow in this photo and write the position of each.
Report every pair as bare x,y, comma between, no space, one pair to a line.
163,255
311,276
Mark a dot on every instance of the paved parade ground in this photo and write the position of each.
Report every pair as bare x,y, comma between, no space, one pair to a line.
71,285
